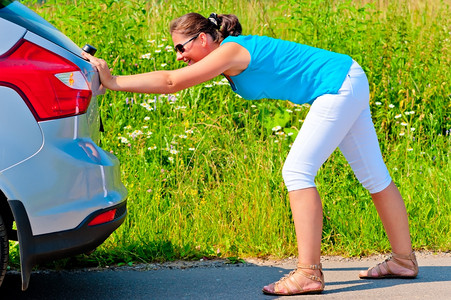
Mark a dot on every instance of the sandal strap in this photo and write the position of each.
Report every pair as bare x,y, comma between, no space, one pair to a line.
378,268
311,267
396,258
311,276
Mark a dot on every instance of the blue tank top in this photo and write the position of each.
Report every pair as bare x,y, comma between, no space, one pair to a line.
287,70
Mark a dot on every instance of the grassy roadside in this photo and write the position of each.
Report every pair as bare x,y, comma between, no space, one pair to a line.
203,167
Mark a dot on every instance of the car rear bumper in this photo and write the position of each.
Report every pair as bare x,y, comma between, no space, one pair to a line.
41,248
84,238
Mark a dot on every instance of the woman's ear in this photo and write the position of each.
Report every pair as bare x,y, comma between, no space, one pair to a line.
203,38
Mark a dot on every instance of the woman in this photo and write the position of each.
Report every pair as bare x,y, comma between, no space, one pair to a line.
336,87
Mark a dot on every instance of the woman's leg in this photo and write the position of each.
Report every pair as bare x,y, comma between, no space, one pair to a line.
361,149
307,214
327,123
392,211
307,211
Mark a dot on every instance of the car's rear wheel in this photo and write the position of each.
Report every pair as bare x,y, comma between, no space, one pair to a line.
4,250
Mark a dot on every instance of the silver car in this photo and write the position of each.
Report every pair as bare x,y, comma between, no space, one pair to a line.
60,193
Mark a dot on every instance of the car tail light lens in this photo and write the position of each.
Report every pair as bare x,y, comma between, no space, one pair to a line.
103,218
54,87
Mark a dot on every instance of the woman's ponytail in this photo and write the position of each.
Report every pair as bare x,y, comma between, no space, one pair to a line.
229,25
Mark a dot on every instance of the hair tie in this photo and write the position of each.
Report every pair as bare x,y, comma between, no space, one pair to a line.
213,18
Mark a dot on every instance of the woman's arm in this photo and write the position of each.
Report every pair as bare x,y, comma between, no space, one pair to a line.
227,58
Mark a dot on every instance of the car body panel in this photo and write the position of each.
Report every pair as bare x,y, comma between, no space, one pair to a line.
21,136
11,34
68,178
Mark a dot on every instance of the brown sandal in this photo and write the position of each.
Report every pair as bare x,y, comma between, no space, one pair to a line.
394,258
288,285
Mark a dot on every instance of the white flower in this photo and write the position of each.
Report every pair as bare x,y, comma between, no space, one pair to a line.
182,136
220,83
157,51
378,103
171,159
391,106
163,65
412,129
404,124
192,149
146,118
152,148
173,151
123,140
409,112
146,56
402,134
277,128
289,111
398,116
135,133
188,131
146,106
410,149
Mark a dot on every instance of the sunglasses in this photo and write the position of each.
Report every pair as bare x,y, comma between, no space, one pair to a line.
180,47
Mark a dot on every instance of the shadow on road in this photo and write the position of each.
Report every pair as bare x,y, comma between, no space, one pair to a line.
226,282
427,274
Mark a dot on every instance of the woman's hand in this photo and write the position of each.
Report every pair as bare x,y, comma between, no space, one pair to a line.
108,81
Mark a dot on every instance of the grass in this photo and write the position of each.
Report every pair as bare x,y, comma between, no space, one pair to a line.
203,167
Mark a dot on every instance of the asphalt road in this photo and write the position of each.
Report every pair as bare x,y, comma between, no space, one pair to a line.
218,280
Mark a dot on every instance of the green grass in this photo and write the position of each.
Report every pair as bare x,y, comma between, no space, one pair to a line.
203,167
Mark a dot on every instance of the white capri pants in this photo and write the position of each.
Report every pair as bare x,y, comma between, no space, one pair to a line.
341,120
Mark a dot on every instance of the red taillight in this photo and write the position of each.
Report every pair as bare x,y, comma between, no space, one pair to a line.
103,218
54,87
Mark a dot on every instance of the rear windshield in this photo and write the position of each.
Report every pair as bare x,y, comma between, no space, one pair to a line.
19,14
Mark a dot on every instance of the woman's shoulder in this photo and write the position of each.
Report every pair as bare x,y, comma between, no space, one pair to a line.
260,40
245,37
250,41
